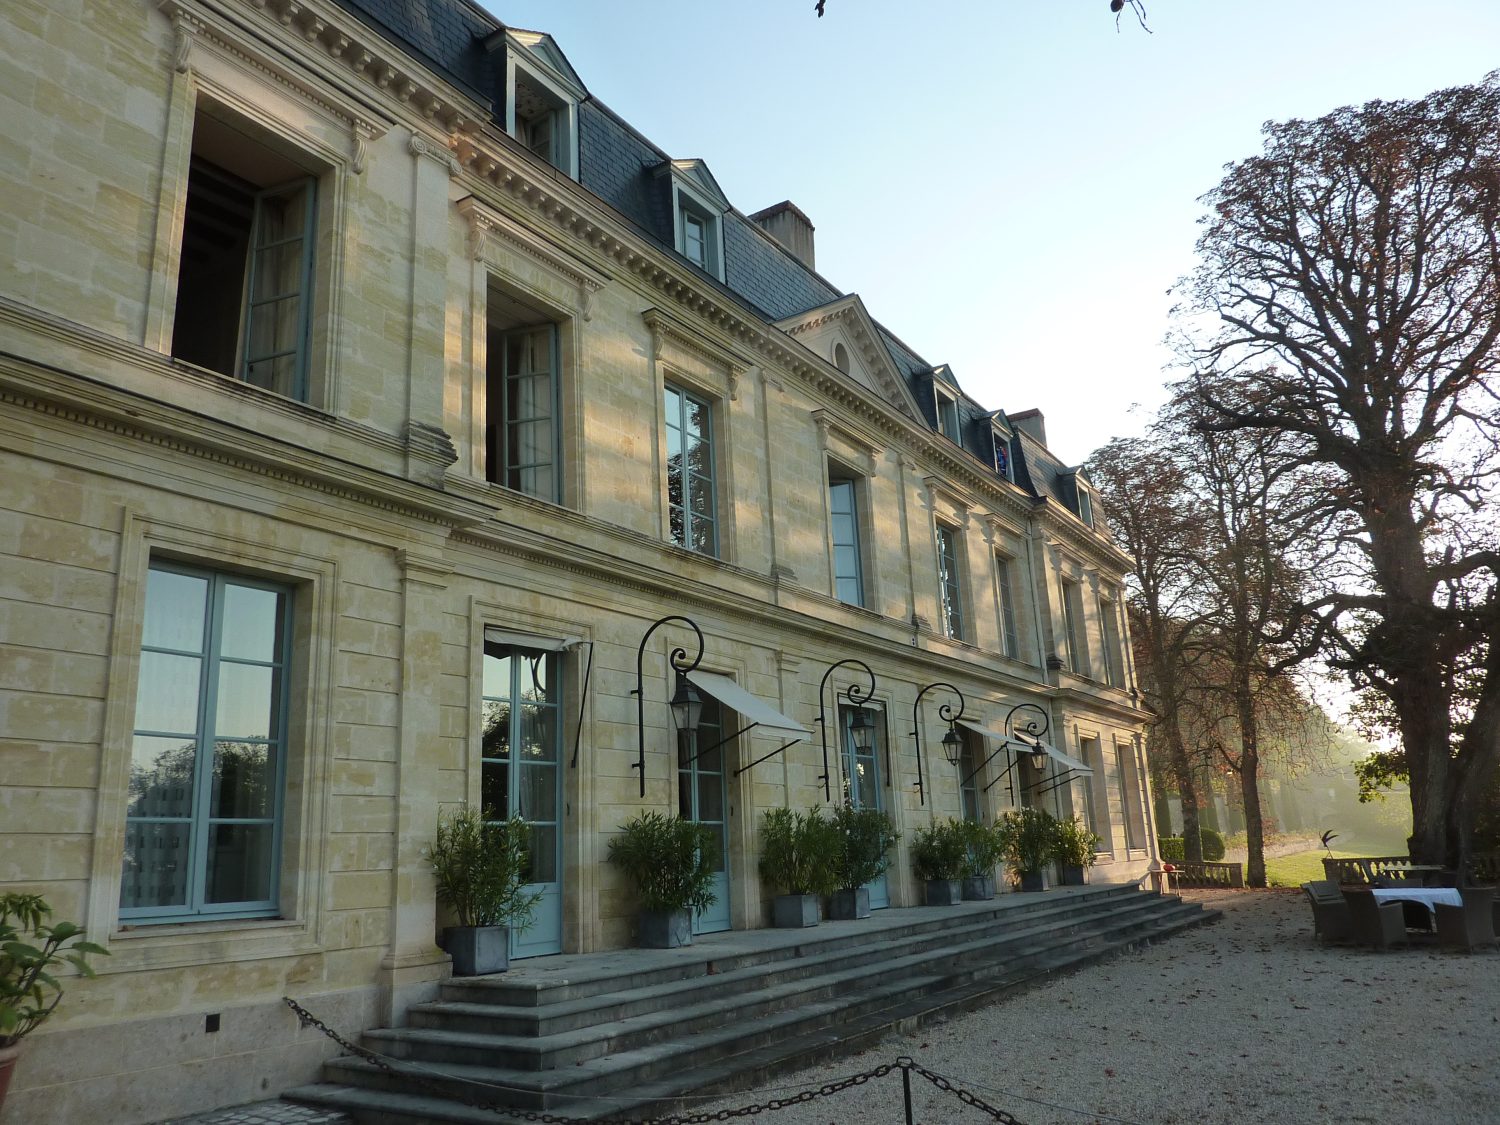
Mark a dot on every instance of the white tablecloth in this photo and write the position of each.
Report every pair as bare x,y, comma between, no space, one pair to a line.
1427,896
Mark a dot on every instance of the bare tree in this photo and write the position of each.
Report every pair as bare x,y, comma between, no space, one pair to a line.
1353,271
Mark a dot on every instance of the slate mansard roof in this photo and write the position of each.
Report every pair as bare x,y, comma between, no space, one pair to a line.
621,167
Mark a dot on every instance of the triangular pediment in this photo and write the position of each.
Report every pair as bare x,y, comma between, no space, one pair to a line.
544,50
695,174
846,321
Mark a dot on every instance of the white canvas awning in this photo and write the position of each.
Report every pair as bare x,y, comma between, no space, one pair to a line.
1027,743
534,641
754,712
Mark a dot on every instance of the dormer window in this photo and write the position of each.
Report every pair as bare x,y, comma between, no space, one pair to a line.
1085,506
1002,453
947,414
698,207
542,93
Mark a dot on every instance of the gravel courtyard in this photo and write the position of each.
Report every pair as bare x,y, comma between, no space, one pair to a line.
1245,1020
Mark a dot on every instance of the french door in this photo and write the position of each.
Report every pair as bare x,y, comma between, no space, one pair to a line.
521,774
862,785
701,797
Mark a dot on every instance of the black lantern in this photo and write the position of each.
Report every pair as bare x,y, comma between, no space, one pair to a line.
861,725
951,741
953,745
687,705
862,729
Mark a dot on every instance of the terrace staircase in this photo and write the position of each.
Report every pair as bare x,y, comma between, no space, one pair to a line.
628,1031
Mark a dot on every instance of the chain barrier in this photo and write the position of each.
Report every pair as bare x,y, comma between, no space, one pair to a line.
827,1090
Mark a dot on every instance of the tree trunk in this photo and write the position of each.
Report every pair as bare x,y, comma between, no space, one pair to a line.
1255,839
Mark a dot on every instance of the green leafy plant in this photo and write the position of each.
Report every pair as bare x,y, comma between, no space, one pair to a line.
800,851
1075,843
30,948
671,861
866,837
482,866
1028,837
983,848
940,851
1213,845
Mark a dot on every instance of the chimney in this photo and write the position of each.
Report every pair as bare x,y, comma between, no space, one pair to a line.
1030,422
786,223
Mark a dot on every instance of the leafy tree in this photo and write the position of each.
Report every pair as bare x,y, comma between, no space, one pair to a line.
1351,273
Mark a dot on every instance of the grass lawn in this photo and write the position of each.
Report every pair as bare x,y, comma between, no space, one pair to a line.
1299,867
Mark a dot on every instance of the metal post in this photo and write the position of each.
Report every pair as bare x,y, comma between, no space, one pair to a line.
676,660
906,1087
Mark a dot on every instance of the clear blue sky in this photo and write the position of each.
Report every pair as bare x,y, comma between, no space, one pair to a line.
1010,185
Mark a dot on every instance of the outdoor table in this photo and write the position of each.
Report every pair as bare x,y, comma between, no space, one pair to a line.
1427,896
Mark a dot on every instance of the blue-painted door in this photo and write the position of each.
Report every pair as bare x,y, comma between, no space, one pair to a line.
522,774
862,786
701,797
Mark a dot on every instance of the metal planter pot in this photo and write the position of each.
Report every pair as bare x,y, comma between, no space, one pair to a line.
665,929
477,950
1033,881
848,905
944,892
795,911
979,888
1074,875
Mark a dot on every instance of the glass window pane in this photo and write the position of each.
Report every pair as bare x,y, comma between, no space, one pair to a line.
161,777
244,780
247,702
543,847
530,397
282,214
538,791
710,797
166,696
252,623
156,865
495,733
278,270
697,417
538,737
496,671
239,863
535,481
530,443
679,534
703,536
175,605
494,789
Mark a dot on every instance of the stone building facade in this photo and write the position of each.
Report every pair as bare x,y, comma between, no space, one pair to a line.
368,393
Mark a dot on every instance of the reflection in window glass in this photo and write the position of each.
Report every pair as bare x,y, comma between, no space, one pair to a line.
204,810
690,472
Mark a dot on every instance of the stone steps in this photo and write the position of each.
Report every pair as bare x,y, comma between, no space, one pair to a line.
706,1022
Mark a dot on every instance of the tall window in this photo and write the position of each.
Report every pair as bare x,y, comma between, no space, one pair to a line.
848,580
949,583
1005,596
1088,750
521,404
968,779
947,412
690,472
203,817
520,748
1130,795
1114,667
1002,454
1078,653
245,279
1085,507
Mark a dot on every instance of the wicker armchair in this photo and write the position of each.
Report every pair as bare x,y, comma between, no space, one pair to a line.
1330,911
1470,925
1379,925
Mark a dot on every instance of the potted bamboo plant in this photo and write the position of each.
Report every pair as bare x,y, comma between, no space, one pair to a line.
31,949
866,837
1028,837
797,856
1075,849
481,864
939,853
982,847
672,862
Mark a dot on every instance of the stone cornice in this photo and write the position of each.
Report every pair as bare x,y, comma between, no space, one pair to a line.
664,327
1066,533
330,43
37,386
